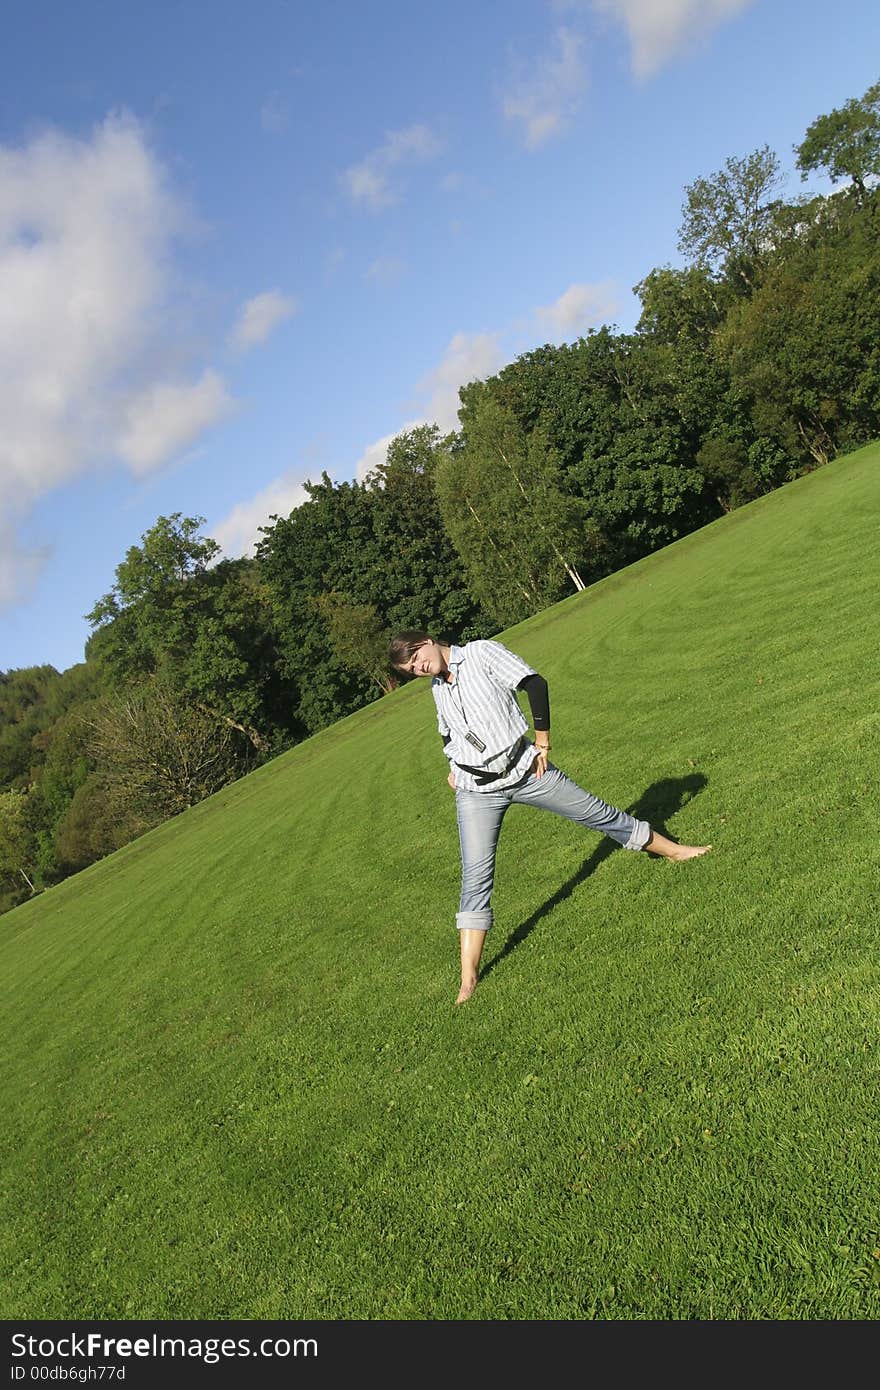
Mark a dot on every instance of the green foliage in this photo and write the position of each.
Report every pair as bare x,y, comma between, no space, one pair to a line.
24,711
418,579
18,849
683,306
379,546
727,219
160,753
171,552
623,415
845,143
804,352
100,818
206,629
323,546
502,503
356,637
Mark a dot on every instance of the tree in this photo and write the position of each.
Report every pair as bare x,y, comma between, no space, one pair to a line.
160,754
804,353
846,143
171,552
206,628
623,417
357,637
24,712
682,305
417,578
325,545
99,819
514,528
727,219
17,843
379,547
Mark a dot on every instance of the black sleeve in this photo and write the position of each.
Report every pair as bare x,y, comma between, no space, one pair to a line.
539,699
447,738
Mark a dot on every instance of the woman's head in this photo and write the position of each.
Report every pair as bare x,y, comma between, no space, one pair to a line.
415,652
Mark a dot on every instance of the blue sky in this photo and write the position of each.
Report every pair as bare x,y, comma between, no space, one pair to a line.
243,244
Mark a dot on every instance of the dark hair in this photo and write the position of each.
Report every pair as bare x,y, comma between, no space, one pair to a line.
405,643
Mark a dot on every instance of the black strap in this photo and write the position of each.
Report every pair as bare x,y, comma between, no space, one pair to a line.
482,778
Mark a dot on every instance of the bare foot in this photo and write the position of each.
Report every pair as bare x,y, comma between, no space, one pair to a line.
689,851
658,844
467,989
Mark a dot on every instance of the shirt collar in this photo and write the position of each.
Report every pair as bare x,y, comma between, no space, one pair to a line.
456,657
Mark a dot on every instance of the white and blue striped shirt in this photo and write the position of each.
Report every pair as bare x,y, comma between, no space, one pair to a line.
481,701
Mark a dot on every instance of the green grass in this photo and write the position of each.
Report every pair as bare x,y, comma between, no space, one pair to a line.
235,1082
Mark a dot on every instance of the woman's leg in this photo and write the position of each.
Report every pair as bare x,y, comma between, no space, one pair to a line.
472,941
556,792
479,823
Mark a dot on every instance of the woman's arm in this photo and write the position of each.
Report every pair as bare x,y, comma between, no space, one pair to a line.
447,738
535,687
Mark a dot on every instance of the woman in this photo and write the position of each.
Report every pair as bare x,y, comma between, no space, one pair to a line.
493,764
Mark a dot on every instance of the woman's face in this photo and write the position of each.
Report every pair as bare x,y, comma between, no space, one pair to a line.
426,660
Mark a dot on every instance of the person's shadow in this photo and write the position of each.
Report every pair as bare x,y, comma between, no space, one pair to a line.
661,800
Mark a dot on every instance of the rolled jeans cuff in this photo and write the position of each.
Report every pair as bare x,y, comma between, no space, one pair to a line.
641,834
480,920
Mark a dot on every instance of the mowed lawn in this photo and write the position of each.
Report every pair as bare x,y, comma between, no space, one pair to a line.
235,1083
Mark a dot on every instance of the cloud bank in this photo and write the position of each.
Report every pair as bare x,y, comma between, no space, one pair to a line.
578,308
86,227
467,357
238,532
259,316
369,183
660,30
542,98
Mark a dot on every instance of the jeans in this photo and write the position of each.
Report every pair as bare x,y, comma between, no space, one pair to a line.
479,823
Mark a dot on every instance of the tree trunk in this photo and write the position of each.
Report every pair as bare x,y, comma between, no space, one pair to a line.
529,598
569,569
251,734
821,451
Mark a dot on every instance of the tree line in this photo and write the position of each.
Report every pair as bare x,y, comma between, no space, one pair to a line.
753,363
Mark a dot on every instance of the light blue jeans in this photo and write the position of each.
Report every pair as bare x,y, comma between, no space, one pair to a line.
479,823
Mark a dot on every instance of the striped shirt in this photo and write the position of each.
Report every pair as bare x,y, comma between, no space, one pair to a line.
481,701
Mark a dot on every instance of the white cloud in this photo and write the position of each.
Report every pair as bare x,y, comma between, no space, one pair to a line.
238,532
163,420
370,183
86,227
659,30
545,97
259,316
375,453
578,308
468,357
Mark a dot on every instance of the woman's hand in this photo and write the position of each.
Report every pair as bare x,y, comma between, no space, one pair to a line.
539,766
451,779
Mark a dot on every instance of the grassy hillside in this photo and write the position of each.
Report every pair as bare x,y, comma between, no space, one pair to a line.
236,1084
